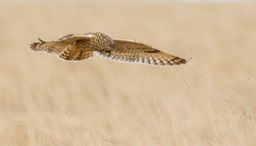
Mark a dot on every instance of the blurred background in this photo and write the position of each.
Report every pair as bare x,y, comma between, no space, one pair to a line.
209,101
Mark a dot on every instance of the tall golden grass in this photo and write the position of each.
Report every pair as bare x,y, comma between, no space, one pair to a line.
210,101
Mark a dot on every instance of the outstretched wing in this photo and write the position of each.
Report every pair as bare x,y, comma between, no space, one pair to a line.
135,52
59,46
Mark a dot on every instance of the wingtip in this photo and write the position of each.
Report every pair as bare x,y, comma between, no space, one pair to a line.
35,45
179,61
41,40
187,60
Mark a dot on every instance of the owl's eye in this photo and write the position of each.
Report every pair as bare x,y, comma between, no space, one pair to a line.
108,51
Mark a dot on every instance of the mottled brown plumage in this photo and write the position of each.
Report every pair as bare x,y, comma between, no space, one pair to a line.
80,47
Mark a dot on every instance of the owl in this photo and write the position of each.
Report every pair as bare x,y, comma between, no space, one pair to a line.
76,47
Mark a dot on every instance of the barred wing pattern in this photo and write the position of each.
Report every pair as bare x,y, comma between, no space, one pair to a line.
134,52
54,47
69,47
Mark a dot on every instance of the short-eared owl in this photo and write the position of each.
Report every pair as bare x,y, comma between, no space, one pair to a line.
80,47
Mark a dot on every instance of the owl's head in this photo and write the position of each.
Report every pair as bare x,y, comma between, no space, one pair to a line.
102,42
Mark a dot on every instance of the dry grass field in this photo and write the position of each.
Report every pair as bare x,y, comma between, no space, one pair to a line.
45,101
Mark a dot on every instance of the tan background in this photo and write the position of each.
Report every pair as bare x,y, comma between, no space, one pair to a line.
52,102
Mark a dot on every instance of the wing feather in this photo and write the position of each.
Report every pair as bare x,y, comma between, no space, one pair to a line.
76,53
135,52
57,47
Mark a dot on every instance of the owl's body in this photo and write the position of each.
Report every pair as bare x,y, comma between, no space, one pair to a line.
80,47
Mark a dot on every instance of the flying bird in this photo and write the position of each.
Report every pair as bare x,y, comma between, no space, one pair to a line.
76,47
